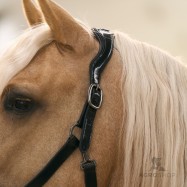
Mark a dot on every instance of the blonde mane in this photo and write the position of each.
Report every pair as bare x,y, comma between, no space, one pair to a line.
155,122
155,102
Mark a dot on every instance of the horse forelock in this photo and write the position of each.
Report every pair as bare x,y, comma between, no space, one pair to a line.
19,54
154,87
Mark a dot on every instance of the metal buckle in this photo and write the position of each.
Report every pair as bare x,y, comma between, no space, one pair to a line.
90,95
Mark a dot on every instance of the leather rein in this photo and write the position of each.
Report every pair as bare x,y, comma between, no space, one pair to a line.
86,121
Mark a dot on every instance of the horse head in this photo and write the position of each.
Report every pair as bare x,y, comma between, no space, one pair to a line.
45,88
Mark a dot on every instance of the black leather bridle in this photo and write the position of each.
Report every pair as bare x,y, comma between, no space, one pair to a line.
93,103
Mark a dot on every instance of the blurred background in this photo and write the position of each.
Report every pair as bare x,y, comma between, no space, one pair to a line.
159,22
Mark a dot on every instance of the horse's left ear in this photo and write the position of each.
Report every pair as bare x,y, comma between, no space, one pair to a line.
32,13
65,28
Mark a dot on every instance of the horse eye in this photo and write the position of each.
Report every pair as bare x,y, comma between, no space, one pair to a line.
22,104
19,105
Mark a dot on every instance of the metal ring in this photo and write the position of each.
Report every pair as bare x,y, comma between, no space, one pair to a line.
72,129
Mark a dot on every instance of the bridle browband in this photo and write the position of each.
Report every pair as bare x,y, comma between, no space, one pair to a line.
85,123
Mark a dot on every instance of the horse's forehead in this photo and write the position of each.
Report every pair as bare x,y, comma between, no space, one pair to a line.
52,73
48,67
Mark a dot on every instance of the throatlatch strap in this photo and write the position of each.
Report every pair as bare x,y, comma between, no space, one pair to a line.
68,148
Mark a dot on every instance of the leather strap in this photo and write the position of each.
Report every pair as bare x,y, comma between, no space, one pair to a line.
89,168
87,121
68,148
106,41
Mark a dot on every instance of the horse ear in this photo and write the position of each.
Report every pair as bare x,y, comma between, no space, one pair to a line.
32,13
66,30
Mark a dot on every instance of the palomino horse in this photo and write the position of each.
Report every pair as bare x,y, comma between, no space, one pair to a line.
139,132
